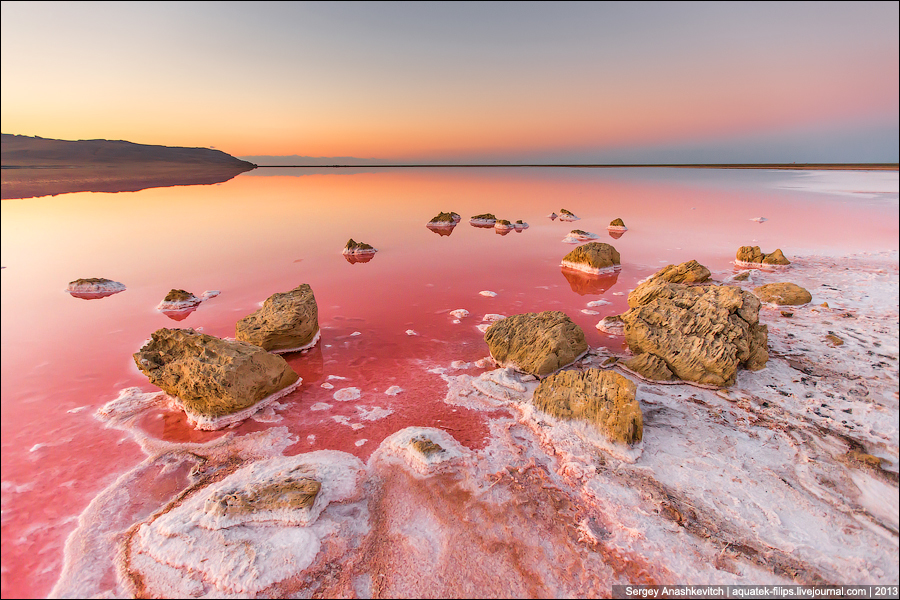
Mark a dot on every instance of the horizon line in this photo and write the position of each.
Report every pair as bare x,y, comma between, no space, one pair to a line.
842,165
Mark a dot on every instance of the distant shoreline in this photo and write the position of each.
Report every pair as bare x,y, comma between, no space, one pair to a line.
780,166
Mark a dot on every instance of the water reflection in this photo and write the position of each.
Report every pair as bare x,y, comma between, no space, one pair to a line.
359,258
94,295
441,230
616,234
587,284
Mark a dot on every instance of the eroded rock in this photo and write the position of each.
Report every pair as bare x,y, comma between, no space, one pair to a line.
217,382
287,322
702,333
603,398
358,248
752,255
536,343
617,225
783,294
593,257
92,288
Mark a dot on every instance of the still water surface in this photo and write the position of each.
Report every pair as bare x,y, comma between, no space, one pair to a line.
270,230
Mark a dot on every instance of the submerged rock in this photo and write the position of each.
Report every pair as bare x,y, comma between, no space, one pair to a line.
617,225
536,343
287,322
357,248
603,398
752,256
94,287
217,382
783,294
593,257
483,220
702,333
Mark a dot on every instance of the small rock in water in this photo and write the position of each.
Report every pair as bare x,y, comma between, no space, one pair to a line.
459,313
488,293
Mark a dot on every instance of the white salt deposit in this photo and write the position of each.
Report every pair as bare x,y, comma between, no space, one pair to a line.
359,443
411,332
588,311
616,228
488,293
483,327
326,385
320,406
475,221
568,217
503,226
373,414
577,236
460,313
598,303
589,269
393,390
759,219
212,423
345,394
400,448
492,317
312,342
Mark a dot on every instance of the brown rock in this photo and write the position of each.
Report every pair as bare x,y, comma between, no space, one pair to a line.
783,294
753,255
289,493
650,366
217,382
180,296
603,398
354,247
425,446
834,340
687,272
592,257
702,333
617,223
536,343
287,322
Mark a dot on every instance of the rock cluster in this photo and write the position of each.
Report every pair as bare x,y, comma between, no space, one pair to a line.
751,255
783,294
700,333
536,343
593,257
217,382
287,322
603,398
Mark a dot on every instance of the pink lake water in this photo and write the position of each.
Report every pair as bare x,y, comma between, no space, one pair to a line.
385,322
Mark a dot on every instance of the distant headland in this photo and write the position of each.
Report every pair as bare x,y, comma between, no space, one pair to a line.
35,166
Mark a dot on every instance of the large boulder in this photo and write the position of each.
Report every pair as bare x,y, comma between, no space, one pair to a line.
603,398
702,333
217,382
536,343
593,257
690,272
752,255
783,294
287,322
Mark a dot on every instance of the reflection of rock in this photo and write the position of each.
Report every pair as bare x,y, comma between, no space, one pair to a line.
441,229
750,256
593,257
702,333
358,249
783,293
94,287
617,225
359,258
586,284
565,215
180,314
603,398
483,220
536,343
287,322
264,523
576,236
616,234
217,382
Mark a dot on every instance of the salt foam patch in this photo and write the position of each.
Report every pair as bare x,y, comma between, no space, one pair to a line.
406,447
488,293
345,394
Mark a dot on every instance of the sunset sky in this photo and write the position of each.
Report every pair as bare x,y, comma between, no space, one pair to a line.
463,82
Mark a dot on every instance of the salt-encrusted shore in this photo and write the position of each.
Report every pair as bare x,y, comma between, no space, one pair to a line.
587,268
789,476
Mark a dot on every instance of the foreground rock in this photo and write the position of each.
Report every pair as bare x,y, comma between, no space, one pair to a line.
536,343
94,287
617,225
700,333
217,382
748,256
593,257
603,398
690,272
783,294
287,322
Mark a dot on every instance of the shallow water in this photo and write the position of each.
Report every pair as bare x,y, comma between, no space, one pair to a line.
385,322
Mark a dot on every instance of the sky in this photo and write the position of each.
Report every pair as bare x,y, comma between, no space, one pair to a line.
473,83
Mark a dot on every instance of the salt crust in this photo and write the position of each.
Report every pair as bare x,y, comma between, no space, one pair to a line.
492,317
616,228
345,394
182,304
393,390
587,268
398,448
488,293
459,313
598,303
753,265
359,252
577,238
482,221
